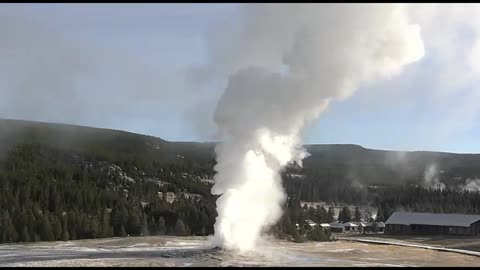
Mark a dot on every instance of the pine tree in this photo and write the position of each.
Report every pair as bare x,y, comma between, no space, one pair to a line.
161,226
152,226
94,228
73,234
119,218
318,234
46,230
107,230
380,216
345,215
133,225
11,232
144,226
204,221
25,235
330,215
65,235
358,216
341,216
387,211
180,229
123,233
57,229
374,226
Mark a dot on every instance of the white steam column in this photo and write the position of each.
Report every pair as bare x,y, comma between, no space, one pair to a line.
330,50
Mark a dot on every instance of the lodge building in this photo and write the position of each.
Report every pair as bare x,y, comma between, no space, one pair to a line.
432,223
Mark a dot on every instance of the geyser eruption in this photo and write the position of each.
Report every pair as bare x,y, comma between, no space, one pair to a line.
317,53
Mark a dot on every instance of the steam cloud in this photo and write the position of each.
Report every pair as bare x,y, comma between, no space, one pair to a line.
431,179
315,54
471,185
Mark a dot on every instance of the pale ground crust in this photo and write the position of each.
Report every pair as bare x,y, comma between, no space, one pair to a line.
191,251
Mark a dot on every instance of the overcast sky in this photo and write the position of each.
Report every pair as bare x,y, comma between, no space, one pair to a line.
141,68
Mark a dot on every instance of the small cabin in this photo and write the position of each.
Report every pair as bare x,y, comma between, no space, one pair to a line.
337,227
350,227
324,226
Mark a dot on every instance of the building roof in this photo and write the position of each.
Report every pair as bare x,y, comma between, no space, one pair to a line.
350,224
407,218
336,225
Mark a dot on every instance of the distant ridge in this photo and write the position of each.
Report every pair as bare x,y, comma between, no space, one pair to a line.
335,161
313,147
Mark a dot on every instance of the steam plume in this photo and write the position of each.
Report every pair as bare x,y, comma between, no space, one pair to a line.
319,53
471,185
431,179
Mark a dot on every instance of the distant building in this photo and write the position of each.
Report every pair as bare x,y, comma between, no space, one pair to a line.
380,227
313,204
350,227
432,223
362,226
369,227
337,227
311,223
325,226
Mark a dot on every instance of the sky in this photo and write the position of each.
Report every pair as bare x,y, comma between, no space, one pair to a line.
152,69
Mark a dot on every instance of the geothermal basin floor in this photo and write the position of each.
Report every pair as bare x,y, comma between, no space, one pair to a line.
193,251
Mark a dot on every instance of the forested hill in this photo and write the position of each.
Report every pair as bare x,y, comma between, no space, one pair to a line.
61,182
102,143
367,166
342,163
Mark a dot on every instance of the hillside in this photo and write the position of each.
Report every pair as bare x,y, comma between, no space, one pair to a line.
60,182
342,163
71,182
105,143
390,167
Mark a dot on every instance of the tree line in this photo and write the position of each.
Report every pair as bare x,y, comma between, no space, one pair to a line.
49,193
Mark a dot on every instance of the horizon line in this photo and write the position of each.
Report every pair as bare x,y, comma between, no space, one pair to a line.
215,142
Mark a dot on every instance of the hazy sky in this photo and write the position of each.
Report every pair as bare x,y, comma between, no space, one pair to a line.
138,67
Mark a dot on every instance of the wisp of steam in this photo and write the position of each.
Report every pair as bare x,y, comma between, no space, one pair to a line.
431,179
324,53
471,185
